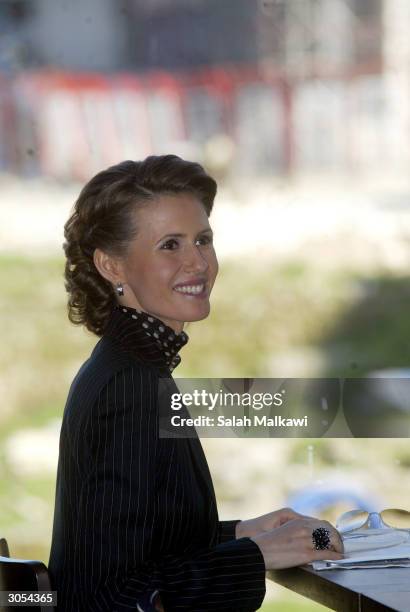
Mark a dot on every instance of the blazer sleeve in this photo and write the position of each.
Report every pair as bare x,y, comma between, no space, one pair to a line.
226,531
117,518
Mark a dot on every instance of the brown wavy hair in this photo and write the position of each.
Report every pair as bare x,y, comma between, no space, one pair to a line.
103,218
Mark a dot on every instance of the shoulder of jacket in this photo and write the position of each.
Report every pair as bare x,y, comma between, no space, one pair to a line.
103,365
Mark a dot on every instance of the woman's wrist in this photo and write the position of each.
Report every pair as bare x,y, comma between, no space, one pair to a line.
246,529
239,530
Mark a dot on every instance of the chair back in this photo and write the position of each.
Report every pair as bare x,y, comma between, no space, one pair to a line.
22,575
4,549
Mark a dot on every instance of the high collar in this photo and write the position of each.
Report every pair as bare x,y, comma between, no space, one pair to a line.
146,336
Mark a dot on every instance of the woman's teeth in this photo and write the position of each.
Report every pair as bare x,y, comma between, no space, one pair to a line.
194,289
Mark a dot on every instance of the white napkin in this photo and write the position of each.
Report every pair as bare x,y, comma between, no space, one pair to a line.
371,539
371,548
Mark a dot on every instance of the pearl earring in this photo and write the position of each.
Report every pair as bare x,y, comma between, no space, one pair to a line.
119,289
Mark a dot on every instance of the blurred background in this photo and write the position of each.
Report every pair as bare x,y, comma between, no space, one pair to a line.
301,111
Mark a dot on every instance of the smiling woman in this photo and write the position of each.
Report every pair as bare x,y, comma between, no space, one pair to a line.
168,274
136,523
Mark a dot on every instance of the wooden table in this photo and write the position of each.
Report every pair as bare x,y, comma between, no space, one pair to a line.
364,590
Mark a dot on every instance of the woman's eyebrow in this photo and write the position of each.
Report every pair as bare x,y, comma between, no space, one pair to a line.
172,236
207,230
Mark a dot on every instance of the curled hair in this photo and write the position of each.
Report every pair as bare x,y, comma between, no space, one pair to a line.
103,218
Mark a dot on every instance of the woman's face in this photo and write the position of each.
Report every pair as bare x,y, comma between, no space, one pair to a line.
171,266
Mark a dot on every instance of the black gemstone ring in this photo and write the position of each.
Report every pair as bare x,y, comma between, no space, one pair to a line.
321,538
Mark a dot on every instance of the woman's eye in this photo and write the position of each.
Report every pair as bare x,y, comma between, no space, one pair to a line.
205,240
170,245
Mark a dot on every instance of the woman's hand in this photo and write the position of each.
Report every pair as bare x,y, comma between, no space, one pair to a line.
266,522
291,544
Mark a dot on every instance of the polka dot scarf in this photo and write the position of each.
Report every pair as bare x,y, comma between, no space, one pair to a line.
149,338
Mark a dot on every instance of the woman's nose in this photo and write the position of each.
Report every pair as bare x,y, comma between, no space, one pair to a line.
195,260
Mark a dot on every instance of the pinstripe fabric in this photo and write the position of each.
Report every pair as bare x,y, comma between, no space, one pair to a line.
135,513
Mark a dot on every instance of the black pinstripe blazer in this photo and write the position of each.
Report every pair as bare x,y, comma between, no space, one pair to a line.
135,513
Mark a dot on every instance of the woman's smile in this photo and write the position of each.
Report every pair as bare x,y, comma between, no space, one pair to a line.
196,288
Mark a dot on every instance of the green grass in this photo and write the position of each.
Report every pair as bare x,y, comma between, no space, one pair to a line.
357,324
41,349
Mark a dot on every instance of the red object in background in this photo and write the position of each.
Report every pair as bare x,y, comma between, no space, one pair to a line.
77,124
69,126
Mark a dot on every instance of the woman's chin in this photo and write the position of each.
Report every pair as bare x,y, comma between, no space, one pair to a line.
195,314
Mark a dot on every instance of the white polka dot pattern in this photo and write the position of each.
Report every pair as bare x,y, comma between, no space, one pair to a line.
151,339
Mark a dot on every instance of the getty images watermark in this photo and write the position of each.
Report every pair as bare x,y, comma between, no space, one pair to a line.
292,407
209,400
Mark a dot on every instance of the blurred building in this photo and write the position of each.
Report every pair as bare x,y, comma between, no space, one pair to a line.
268,86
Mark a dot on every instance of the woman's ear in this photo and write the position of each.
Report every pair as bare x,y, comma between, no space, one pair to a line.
108,266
